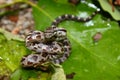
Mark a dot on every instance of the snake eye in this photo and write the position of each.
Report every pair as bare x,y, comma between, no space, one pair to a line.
60,33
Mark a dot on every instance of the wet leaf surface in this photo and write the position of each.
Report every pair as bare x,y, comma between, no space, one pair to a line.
89,60
22,74
11,52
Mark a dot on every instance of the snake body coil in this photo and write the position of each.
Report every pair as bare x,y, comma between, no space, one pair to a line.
52,45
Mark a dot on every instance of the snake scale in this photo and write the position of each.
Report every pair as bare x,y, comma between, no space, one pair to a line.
51,45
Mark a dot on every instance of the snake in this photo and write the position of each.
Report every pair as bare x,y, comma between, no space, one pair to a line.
50,45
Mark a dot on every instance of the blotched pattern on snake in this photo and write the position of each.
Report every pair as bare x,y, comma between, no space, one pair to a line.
51,45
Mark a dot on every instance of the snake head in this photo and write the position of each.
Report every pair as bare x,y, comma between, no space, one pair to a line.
49,33
35,36
60,33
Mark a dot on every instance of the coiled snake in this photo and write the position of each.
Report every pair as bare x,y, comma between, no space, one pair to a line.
51,45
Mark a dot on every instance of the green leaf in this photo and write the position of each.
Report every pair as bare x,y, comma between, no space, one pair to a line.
30,74
22,74
52,9
4,70
89,60
107,7
12,48
11,52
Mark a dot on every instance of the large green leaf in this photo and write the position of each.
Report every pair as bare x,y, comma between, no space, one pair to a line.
11,51
89,60
30,74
